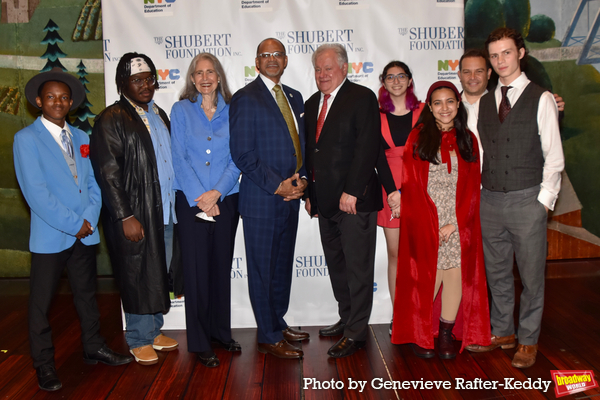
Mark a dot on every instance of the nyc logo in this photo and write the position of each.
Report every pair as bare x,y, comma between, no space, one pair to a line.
356,68
158,1
444,64
168,74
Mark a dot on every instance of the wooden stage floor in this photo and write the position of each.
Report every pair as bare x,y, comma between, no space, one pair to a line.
570,340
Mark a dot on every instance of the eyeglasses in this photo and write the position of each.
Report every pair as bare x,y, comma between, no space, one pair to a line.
151,80
277,54
392,78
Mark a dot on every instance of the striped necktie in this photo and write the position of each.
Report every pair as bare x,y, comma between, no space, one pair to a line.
321,120
65,139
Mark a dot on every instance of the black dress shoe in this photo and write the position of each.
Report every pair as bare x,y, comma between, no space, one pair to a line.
107,356
421,352
209,362
47,379
333,330
229,346
294,335
345,347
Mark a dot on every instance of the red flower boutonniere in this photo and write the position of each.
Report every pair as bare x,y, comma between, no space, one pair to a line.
85,150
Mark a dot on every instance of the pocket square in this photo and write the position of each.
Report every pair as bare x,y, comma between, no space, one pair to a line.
301,115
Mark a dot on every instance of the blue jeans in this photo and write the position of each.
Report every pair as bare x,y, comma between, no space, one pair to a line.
141,329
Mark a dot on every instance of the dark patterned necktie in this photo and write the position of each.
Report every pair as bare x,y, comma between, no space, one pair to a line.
504,104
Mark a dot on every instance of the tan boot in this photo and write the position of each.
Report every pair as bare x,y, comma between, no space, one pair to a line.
525,356
505,342
164,343
145,355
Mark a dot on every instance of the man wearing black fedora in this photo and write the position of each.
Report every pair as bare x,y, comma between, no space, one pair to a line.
57,181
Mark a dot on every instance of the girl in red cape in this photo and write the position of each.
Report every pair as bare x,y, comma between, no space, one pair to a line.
441,272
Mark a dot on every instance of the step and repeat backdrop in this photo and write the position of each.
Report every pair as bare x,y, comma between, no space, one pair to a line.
428,35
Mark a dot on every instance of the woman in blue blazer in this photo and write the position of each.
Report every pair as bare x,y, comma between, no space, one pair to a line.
207,184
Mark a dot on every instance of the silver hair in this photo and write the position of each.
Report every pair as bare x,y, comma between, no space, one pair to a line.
340,52
189,91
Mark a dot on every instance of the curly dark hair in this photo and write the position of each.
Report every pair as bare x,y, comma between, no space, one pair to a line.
124,70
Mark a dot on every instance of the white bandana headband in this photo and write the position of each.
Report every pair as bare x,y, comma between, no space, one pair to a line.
139,65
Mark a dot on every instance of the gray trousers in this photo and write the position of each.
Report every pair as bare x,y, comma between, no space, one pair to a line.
515,223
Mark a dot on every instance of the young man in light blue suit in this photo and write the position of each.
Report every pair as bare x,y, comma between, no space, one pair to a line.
57,181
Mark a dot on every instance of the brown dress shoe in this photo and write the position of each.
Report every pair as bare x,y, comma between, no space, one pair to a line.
144,355
281,349
294,335
164,343
505,342
525,356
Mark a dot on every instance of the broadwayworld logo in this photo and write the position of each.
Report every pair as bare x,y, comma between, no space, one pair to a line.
569,382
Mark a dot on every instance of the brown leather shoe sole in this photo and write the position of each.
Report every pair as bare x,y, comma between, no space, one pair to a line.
293,335
475,348
280,350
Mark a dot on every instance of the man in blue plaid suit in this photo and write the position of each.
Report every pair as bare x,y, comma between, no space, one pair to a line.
267,142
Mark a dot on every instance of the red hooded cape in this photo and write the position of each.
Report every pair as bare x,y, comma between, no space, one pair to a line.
416,317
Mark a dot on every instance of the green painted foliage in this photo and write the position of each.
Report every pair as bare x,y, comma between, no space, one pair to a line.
89,23
482,17
9,100
537,73
542,29
516,15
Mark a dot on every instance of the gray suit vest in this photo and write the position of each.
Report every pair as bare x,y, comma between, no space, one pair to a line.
512,151
70,163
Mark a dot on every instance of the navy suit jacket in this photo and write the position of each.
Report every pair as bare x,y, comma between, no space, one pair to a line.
262,148
58,203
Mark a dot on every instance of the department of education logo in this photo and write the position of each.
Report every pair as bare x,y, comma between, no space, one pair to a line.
158,8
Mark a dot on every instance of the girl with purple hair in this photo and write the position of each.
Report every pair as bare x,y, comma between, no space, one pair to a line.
400,110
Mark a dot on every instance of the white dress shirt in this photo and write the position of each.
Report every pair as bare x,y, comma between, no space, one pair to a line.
547,120
329,100
473,116
56,131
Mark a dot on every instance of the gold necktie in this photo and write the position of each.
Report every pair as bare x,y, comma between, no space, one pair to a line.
289,120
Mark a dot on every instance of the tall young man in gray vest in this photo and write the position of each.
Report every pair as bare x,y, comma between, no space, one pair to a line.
522,162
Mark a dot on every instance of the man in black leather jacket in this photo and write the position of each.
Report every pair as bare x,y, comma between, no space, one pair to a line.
130,150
